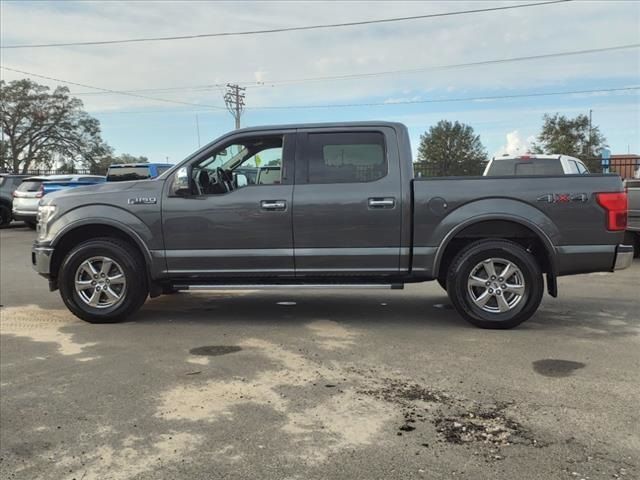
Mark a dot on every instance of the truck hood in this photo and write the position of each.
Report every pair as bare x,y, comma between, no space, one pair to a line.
91,193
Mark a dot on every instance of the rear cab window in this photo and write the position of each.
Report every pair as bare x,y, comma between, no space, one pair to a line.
345,157
517,166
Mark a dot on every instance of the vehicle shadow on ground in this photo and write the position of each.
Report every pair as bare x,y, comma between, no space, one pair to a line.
581,318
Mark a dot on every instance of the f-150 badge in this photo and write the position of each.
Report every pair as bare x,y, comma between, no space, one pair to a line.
142,201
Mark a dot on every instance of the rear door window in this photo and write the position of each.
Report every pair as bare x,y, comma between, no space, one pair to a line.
353,157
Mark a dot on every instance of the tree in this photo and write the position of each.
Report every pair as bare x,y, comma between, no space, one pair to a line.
570,136
451,149
41,128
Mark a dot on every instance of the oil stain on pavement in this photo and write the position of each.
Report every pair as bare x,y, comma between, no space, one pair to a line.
550,367
214,350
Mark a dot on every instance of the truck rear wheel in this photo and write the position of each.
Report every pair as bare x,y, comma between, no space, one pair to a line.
103,281
495,284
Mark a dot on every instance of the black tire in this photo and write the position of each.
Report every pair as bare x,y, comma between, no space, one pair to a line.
133,268
473,255
442,281
633,238
5,215
31,224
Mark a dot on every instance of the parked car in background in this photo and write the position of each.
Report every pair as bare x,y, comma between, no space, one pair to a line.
8,184
136,171
633,214
531,164
32,189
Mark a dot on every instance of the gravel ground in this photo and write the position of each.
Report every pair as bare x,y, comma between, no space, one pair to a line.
317,384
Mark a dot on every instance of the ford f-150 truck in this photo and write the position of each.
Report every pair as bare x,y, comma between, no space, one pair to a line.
327,205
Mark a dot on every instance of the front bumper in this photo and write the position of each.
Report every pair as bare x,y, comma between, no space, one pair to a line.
41,259
624,257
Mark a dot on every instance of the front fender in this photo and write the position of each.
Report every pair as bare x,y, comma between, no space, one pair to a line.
125,221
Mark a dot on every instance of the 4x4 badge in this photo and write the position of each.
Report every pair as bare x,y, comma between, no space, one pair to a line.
563,197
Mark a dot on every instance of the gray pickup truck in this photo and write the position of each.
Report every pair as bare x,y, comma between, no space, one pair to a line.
327,205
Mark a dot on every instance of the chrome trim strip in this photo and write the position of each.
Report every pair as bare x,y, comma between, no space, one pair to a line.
289,286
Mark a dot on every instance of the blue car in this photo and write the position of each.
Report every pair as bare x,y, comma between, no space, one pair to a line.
136,171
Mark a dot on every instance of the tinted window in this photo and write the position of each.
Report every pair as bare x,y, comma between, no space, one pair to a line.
90,179
120,174
345,157
536,166
30,186
161,170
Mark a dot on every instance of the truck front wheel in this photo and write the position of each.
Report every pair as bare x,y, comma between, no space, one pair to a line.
495,284
103,280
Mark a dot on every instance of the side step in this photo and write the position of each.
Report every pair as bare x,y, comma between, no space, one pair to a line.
280,286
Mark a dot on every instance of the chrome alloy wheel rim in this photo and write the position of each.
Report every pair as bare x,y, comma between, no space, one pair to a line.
100,282
496,285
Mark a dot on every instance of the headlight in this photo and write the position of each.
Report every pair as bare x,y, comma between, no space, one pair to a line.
45,214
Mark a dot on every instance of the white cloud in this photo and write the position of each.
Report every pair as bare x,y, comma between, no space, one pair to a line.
394,46
516,144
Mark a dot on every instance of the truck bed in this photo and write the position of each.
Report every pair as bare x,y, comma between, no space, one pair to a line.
561,210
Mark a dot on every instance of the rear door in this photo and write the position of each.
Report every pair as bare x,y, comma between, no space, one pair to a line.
347,206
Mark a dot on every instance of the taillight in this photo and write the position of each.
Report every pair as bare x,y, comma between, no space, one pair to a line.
40,193
615,203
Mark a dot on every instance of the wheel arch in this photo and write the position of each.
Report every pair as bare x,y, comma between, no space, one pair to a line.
78,232
510,227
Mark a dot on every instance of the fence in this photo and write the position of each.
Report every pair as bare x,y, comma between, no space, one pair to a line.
38,172
627,166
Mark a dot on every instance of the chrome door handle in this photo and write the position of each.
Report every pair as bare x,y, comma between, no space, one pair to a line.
273,205
382,202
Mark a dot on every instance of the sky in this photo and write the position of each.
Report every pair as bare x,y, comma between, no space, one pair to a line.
162,131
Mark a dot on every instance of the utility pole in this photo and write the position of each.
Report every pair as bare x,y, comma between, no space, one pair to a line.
590,136
198,129
234,100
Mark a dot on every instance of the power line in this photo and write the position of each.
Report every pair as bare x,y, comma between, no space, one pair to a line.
381,73
284,29
442,100
109,90
390,104
451,66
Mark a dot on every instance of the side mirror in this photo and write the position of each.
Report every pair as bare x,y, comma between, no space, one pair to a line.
181,185
241,180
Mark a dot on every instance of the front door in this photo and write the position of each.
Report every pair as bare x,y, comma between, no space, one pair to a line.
236,220
347,216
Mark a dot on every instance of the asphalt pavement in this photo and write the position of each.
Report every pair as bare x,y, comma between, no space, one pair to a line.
317,385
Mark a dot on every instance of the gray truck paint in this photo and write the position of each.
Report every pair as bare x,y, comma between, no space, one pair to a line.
330,230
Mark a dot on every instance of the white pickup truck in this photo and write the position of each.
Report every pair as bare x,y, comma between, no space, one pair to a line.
632,236
534,164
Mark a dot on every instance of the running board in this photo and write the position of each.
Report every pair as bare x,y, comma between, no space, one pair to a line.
279,286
